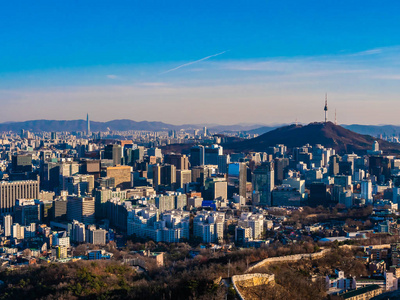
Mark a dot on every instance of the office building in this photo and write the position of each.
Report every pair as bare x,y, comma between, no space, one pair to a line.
366,191
197,156
237,178
122,176
27,212
81,209
183,177
113,152
181,162
263,184
95,236
10,191
21,163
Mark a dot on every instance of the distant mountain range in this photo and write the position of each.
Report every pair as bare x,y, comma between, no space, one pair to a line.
124,125
329,135
117,125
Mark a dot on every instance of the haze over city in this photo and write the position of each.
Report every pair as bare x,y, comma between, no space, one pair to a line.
200,62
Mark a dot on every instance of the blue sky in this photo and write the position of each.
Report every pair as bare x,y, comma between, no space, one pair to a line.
156,60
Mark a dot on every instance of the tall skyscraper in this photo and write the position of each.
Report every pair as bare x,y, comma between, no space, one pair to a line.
263,183
88,125
197,155
366,191
237,178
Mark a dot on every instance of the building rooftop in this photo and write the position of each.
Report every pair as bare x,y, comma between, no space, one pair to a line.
360,291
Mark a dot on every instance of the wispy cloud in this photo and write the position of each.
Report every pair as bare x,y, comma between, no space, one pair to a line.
368,52
112,76
193,62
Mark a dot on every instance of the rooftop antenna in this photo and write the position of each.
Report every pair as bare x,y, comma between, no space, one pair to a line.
326,107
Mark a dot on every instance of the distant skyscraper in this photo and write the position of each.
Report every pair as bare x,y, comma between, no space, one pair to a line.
88,125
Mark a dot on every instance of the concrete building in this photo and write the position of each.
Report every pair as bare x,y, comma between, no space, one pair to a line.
263,184
7,225
122,176
13,190
81,209
78,232
96,236
183,177
209,226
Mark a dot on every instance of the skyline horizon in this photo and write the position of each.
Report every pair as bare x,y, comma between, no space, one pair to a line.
204,124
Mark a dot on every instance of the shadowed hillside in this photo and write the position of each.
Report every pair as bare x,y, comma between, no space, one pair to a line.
328,135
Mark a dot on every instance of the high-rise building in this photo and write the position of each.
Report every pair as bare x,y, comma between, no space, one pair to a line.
181,162
122,176
113,152
197,156
334,165
263,183
13,190
78,232
138,154
366,191
168,175
81,209
214,188
154,152
237,178
209,226
60,210
21,163
319,195
7,224
279,169
79,184
183,177
88,133
165,202
211,154
380,167
27,212
95,236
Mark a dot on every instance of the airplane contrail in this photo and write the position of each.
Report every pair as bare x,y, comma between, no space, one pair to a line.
193,62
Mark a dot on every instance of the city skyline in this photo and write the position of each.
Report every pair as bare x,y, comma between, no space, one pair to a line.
264,63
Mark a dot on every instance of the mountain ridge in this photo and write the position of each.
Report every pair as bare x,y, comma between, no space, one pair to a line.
327,134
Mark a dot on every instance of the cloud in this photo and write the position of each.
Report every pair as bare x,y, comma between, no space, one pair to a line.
112,76
193,62
368,52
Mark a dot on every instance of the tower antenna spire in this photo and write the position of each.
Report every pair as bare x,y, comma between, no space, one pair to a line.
326,107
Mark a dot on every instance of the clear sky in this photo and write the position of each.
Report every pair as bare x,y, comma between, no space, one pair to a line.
202,61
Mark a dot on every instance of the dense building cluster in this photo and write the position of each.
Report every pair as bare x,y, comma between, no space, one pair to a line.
59,190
